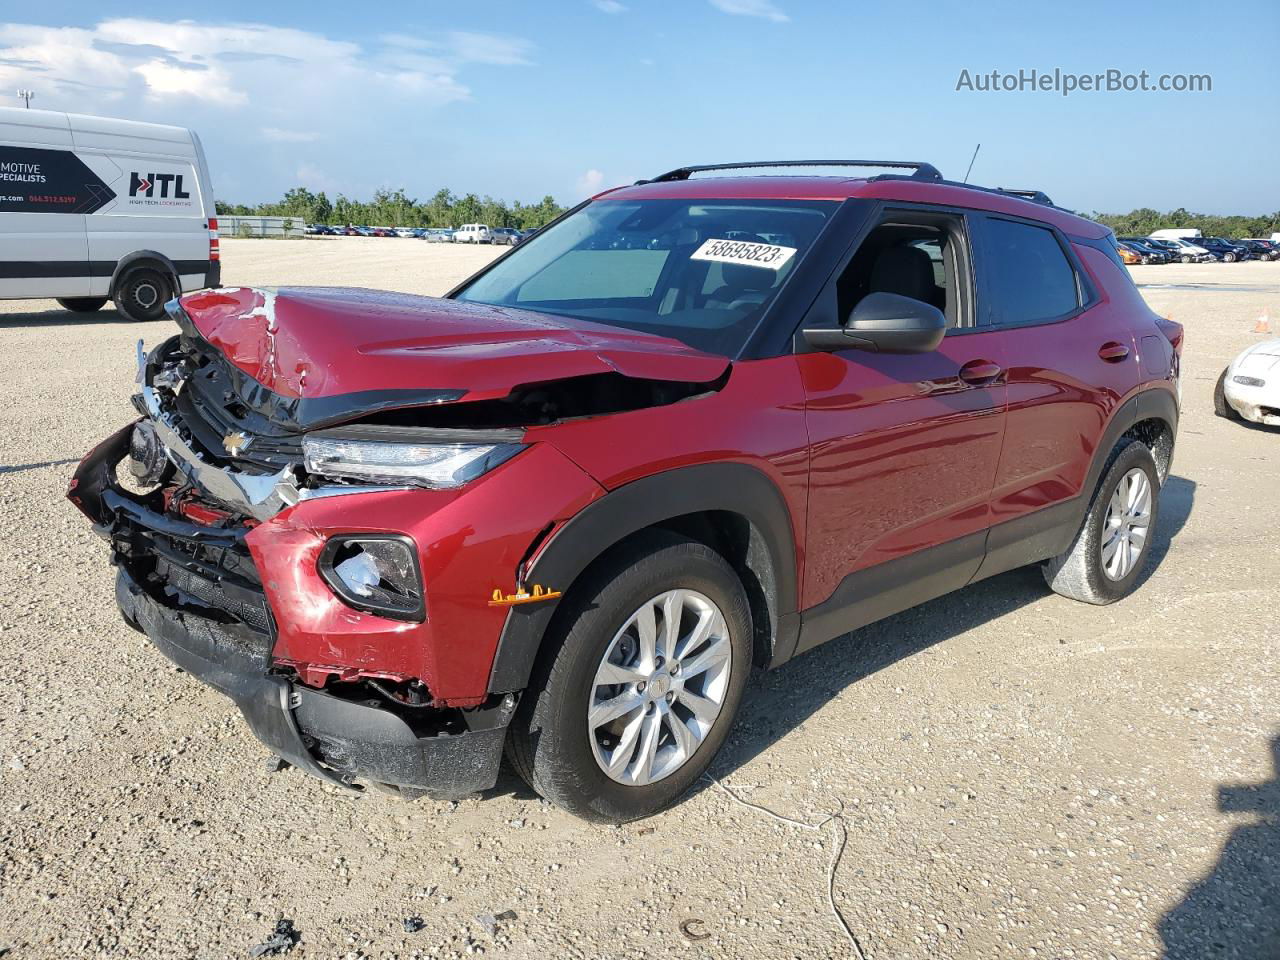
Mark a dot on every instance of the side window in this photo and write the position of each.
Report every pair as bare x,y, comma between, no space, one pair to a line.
917,255
1029,278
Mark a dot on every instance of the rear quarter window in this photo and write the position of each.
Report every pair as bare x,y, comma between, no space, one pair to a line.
1028,276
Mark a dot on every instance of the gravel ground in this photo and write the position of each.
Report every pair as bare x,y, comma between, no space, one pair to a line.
1020,775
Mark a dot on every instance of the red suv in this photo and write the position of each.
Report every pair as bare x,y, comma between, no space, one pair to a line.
697,424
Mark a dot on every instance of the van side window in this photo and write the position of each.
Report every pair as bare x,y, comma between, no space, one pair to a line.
1029,278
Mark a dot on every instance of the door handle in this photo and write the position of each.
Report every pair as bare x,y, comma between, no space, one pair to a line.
979,371
1113,352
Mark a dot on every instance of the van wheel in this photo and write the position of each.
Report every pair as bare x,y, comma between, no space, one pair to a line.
1105,560
639,681
81,304
1221,406
141,295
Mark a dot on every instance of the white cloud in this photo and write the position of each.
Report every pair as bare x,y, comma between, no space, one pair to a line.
751,8
609,6
276,135
277,73
590,183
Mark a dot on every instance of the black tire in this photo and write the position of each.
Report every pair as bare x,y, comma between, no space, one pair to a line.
1220,405
141,295
82,304
1186,259
549,741
1229,258
1078,572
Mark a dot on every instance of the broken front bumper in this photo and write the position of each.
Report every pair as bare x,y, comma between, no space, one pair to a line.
193,592
328,737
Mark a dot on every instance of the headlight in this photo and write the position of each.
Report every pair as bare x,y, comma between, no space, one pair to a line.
423,464
376,573
1248,381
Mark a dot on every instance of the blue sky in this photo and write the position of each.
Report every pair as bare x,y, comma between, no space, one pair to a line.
519,99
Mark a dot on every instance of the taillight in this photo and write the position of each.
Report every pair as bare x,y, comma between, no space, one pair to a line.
1172,331
215,252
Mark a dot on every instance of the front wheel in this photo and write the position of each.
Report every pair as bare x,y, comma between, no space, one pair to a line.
639,682
1229,258
1106,558
82,304
1221,405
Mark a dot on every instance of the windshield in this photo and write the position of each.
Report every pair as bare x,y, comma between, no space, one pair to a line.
699,271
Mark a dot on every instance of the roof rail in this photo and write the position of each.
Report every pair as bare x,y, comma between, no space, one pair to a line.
923,171
1035,196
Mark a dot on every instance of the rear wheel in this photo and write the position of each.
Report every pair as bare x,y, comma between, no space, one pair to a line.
1104,562
1221,406
82,304
141,295
640,682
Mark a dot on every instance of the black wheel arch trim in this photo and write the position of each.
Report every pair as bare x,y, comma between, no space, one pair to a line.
737,488
148,259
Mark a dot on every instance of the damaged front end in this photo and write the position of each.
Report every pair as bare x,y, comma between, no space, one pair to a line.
307,528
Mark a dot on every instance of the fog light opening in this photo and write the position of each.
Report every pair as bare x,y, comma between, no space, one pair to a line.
375,574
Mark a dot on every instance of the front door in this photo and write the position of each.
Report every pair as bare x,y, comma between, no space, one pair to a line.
903,448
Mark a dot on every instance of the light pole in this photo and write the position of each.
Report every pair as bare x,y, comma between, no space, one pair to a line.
26,96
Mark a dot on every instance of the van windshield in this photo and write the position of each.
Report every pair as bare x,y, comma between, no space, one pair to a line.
699,271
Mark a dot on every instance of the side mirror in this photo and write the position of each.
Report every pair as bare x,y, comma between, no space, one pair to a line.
885,323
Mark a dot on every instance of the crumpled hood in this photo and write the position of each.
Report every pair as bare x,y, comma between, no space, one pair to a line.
315,342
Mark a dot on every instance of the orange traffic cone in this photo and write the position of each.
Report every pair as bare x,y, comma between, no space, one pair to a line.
1263,325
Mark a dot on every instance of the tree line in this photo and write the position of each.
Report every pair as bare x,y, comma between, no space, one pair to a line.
1144,221
394,208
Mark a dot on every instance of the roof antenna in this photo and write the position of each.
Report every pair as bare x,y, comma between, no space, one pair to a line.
971,159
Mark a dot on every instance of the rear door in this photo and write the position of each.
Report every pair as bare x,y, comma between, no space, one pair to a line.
903,448
1070,360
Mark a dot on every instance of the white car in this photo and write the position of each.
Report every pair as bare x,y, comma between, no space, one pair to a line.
472,233
1249,389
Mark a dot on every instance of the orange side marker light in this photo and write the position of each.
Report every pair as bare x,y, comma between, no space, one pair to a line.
522,596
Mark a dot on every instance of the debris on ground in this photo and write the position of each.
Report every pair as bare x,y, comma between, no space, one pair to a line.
692,929
283,939
413,924
490,921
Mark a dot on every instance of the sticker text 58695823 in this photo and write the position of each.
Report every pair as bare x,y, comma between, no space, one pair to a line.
767,255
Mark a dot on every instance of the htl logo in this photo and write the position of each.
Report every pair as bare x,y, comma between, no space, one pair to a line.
147,185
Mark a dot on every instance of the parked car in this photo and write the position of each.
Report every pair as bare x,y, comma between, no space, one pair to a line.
566,509
1262,249
1148,253
1167,247
348,231
472,233
406,233
1249,389
504,235
1189,252
94,209
1224,250
438,235
1128,255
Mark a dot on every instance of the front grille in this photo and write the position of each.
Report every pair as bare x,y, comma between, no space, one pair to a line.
206,570
248,609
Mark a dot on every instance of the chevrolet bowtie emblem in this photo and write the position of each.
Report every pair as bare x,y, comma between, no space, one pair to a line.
235,443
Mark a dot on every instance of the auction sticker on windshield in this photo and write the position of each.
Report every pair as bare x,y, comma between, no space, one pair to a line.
768,255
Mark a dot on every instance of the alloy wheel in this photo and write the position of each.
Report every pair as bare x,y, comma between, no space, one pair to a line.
1126,524
660,687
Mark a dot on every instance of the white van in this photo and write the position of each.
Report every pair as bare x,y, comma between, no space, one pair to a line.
93,209
472,233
